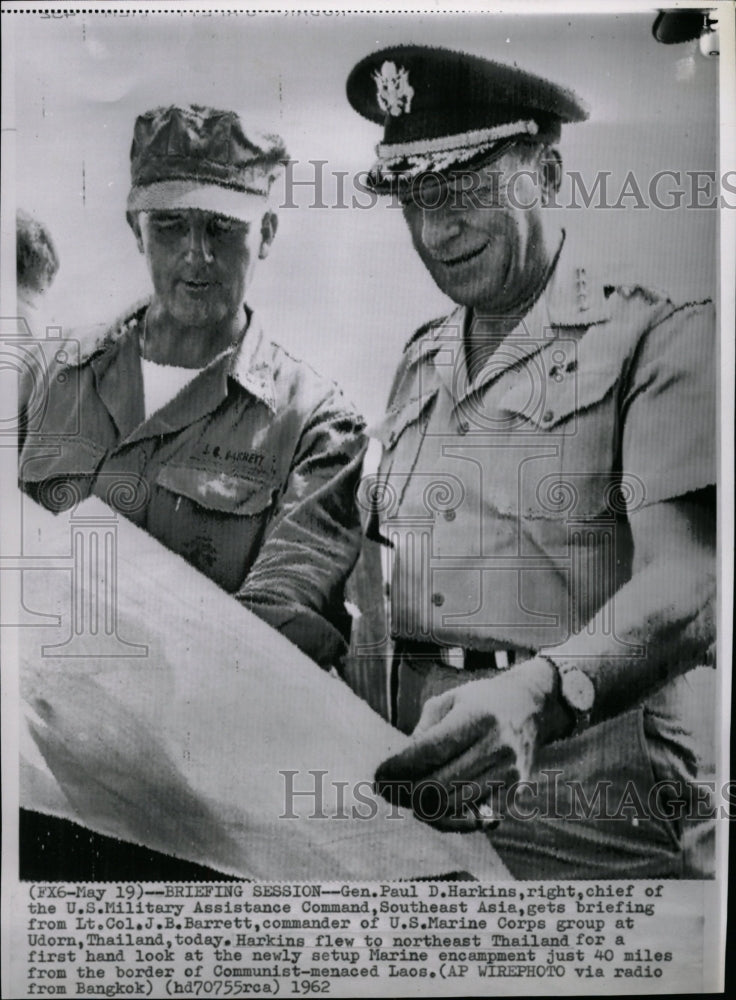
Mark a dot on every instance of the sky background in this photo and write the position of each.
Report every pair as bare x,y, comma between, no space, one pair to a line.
342,287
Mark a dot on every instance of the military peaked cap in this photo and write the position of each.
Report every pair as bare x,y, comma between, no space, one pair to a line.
439,107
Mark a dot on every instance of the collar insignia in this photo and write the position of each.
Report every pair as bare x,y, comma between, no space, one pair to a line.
393,91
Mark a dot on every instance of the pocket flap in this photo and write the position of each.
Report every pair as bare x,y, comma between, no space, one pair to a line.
217,490
76,456
560,398
393,425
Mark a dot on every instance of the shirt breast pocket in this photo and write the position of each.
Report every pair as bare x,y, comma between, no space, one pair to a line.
61,474
214,519
219,492
401,433
575,422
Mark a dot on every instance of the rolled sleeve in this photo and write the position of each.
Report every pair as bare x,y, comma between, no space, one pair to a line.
313,539
669,418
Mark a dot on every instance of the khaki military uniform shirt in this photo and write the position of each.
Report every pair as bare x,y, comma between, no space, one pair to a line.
249,472
506,497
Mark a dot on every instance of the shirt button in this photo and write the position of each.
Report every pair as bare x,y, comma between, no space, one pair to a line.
438,600
464,427
548,415
450,515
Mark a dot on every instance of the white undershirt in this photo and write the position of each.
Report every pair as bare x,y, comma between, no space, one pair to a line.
162,382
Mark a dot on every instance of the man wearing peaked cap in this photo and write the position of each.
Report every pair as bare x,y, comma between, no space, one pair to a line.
441,108
244,460
547,487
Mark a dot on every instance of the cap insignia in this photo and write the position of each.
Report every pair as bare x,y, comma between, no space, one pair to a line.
393,91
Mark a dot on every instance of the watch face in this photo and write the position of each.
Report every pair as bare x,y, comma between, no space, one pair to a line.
577,690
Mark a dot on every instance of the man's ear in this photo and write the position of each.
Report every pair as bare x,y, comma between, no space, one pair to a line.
269,225
134,221
551,164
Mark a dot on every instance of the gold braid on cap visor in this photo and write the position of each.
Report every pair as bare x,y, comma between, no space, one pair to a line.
424,155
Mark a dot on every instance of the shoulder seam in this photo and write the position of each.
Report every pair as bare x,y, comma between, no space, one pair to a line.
324,380
109,334
678,309
329,387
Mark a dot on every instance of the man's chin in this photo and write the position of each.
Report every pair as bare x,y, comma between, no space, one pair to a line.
465,293
193,313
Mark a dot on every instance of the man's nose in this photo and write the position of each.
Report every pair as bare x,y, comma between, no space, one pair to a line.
199,243
439,225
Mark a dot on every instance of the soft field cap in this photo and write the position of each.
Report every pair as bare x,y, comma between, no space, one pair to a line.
202,158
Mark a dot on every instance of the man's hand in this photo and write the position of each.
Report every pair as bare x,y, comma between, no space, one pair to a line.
472,742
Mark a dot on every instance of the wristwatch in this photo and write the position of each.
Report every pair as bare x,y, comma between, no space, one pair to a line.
577,692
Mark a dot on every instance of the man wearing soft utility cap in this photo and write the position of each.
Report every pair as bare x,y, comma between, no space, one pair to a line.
228,450
547,488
